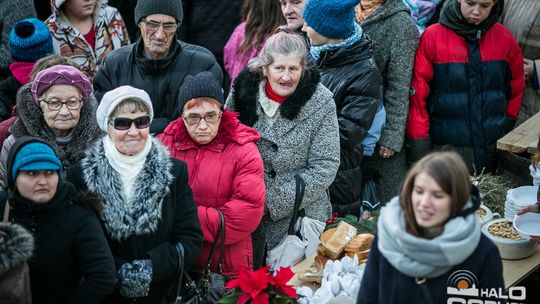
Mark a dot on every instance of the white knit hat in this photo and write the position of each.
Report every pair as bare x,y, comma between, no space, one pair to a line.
113,98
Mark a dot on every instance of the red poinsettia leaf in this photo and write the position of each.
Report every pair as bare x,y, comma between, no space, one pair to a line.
243,298
262,298
233,284
288,290
253,282
283,276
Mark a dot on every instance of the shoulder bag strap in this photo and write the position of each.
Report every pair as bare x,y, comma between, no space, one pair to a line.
299,196
422,282
220,235
5,219
180,249
222,244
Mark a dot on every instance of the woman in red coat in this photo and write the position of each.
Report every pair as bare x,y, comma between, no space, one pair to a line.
225,170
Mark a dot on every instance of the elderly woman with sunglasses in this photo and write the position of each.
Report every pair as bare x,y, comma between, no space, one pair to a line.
58,107
148,211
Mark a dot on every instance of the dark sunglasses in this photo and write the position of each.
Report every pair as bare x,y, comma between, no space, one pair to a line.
122,123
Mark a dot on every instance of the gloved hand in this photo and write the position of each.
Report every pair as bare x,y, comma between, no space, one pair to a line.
135,278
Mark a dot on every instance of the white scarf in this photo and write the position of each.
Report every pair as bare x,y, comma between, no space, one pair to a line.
127,166
426,258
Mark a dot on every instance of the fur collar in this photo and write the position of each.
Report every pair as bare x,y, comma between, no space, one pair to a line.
16,246
246,91
30,122
151,186
230,130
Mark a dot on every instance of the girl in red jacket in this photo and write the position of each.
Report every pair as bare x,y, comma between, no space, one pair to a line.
467,84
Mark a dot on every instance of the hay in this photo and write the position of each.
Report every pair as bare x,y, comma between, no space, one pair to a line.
493,190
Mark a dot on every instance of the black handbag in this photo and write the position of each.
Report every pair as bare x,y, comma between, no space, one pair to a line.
213,283
209,286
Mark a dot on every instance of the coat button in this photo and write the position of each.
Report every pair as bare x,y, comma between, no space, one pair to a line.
274,147
272,174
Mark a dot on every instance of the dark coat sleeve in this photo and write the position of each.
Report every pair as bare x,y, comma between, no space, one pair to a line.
96,261
8,95
186,229
103,81
360,102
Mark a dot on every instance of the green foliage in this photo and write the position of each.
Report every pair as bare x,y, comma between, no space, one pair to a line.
367,226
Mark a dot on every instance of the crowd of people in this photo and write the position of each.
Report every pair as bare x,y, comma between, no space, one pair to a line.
127,140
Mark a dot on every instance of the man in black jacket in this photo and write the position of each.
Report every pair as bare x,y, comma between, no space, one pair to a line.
157,62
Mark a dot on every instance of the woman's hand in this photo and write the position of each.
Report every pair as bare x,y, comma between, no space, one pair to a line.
531,208
385,152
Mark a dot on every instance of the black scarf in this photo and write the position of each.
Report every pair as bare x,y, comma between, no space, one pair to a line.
452,18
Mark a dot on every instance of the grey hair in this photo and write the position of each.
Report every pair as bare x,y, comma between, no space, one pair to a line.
130,105
281,43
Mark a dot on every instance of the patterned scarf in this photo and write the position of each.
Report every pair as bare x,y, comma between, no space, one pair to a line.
366,7
426,258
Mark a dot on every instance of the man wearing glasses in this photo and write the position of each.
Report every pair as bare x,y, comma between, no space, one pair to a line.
157,62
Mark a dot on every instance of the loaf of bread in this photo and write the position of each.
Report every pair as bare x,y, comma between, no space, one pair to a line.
334,246
362,255
360,242
320,260
325,236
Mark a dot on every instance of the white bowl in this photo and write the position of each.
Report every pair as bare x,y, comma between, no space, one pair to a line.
510,249
522,196
527,224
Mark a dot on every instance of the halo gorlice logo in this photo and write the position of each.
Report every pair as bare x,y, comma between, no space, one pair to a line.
462,288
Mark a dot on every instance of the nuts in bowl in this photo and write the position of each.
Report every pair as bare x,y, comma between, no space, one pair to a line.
511,245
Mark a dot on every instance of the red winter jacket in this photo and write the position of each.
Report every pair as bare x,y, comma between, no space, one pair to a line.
227,174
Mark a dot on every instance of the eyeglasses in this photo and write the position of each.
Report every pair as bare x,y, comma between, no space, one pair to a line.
196,119
153,26
123,123
56,105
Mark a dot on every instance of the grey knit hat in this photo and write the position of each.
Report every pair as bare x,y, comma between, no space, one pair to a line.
166,7
201,85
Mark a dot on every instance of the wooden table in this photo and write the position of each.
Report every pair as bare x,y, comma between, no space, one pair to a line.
524,138
514,271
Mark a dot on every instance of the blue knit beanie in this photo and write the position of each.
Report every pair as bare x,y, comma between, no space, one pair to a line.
331,18
30,40
35,156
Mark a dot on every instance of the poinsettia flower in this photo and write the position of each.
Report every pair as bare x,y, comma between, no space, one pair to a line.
243,298
251,282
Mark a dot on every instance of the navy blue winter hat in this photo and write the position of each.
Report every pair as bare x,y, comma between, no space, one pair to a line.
35,156
30,40
331,18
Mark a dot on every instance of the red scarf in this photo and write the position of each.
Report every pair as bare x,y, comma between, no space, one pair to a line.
21,70
273,95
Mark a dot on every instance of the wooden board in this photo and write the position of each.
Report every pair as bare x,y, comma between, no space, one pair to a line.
524,138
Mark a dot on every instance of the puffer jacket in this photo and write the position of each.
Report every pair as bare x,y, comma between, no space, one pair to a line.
467,90
351,75
161,78
110,34
226,174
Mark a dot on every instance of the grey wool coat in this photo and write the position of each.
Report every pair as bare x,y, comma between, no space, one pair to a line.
395,39
304,140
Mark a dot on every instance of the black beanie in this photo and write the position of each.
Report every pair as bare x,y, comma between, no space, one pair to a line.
201,85
166,7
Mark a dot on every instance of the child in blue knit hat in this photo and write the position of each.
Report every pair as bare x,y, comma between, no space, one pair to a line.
344,56
29,41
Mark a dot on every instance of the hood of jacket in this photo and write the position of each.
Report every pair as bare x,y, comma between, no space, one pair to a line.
60,18
230,130
246,91
152,185
387,10
30,122
360,50
16,246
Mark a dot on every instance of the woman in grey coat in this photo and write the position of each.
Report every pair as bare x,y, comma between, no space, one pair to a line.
280,95
395,38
